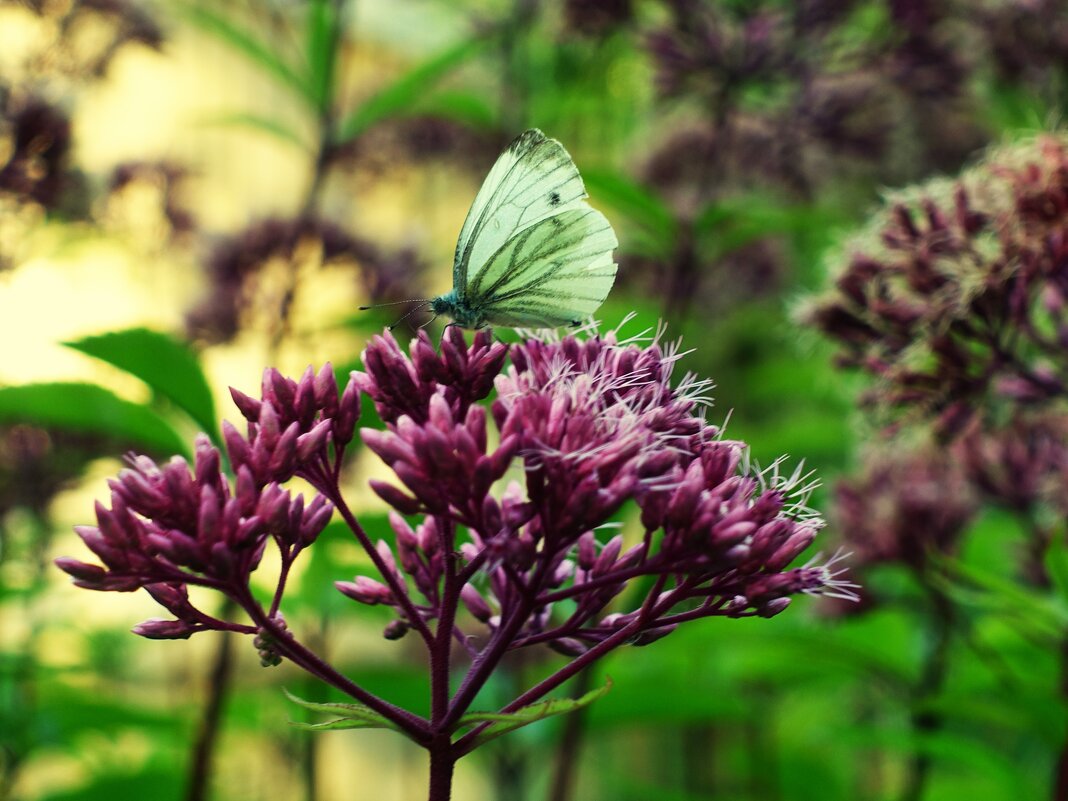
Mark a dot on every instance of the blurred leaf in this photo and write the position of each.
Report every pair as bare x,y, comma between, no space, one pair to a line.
348,716
161,783
407,90
241,40
725,226
91,409
464,107
1056,561
168,366
1043,615
638,205
322,36
259,123
501,723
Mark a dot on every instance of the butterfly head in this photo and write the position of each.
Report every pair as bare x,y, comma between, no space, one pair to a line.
461,314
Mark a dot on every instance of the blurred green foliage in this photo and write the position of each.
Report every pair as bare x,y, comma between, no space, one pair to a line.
729,165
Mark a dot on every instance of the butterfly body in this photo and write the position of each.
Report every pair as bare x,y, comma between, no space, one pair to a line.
459,312
532,253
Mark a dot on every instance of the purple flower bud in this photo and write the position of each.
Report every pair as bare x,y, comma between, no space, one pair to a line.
284,455
388,447
158,629
394,497
314,442
365,590
791,549
396,629
326,394
569,646
475,603
84,574
773,607
316,517
304,406
249,407
348,414
236,446
207,463
422,486
587,550
607,558
652,635
732,533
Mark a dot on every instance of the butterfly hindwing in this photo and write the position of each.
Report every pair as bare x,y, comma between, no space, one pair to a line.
555,272
534,179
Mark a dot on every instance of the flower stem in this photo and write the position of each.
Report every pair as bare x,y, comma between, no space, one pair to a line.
442,761
196,788
924,720
569,748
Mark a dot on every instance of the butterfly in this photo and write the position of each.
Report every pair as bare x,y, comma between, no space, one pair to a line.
532,253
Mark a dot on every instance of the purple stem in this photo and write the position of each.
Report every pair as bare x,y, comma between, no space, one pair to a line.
465,743
400,592
441,648
487,660
414,726
442,760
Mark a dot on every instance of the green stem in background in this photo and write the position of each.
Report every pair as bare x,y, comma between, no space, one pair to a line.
220,679
569,747
222,667
924,720
1060,777
515,92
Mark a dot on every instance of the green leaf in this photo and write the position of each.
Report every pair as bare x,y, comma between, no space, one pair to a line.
464,107
1042,614
255,50
407,90
502,723
91,409
259,123
347,716
168,366
1056,561
322,47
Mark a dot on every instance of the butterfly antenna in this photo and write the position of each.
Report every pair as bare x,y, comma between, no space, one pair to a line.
395,303
422,305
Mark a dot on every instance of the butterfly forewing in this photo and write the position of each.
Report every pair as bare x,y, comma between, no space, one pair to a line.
534,179
555,272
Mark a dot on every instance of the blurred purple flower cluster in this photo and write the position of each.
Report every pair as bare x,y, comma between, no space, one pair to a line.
905,505
244,284
580,428
955,295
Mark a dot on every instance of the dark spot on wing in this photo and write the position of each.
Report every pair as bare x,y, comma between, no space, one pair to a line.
554,199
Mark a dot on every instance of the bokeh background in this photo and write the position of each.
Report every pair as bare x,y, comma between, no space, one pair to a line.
223,182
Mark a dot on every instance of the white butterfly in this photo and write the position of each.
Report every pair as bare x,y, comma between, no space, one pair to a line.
531,253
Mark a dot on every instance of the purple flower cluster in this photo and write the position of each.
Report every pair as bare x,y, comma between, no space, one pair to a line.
500,509
168,526
582,427
954,298
903,505
239,270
